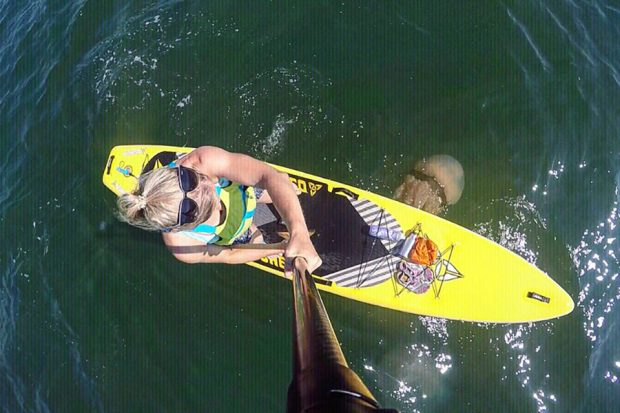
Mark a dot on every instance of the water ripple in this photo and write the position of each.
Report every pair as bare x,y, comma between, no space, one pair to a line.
517,230
86,383
541,58
596,259
290,94
12,389
26,43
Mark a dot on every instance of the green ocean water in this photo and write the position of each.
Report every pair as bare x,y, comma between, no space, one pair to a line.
96,316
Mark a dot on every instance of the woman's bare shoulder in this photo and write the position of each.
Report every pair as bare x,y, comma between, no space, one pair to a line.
193,251
177,238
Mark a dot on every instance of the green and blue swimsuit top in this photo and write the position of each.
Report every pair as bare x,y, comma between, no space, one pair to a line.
240,203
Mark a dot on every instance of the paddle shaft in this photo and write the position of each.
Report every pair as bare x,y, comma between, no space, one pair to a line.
276,246
322,380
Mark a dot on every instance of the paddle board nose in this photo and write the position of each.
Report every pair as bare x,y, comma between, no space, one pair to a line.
549,301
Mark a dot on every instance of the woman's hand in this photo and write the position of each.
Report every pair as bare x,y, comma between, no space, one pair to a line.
299,245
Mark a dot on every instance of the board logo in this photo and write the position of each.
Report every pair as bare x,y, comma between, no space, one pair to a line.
125,170
305,186
314,188
276,262
446,271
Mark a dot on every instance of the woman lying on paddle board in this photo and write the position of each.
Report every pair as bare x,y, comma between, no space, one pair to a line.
203,215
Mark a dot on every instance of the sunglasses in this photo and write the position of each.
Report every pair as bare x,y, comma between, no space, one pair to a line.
188,209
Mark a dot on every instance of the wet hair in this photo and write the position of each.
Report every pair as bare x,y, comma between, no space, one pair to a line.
154,205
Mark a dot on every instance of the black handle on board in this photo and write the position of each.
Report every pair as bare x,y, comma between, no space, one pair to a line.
345,192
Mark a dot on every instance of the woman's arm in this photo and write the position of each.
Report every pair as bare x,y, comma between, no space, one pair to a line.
193,252
216,162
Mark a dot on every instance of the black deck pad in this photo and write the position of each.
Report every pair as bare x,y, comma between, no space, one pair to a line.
340,235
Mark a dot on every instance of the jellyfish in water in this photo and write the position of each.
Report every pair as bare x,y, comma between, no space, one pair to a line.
434,183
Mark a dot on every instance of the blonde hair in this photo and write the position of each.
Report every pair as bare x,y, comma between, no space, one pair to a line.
154,205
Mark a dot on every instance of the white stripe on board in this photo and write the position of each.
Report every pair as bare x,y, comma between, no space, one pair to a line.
372,214
365,274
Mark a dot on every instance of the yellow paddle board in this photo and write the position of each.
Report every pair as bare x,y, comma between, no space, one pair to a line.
471,278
